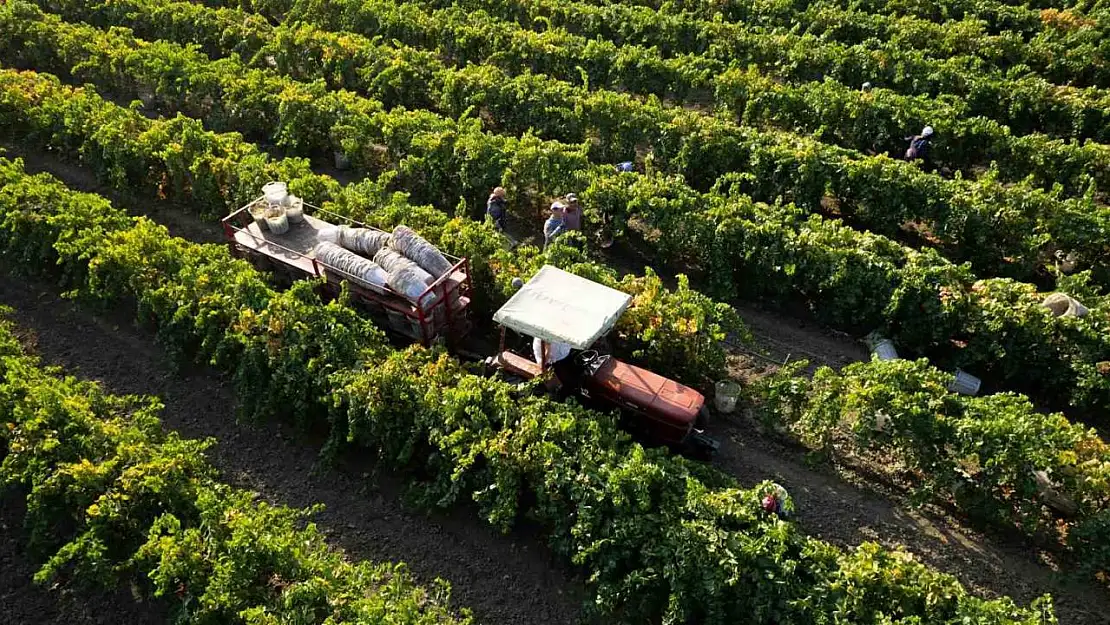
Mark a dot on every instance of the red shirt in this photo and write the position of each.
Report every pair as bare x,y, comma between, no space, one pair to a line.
572,217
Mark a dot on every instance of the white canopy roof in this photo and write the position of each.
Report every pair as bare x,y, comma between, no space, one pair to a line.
558,306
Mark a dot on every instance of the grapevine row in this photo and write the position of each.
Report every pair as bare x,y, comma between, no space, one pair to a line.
113,501
659,542
1026,105
617,122
1064,56
963,218
998,14
906,45
852,280
873,121
980,453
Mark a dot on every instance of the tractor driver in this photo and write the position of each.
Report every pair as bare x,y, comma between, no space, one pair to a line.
555,351
557,358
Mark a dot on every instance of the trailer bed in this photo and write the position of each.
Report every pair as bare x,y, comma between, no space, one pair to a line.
293,253
293,247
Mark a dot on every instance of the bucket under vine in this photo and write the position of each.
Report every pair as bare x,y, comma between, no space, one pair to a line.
725,396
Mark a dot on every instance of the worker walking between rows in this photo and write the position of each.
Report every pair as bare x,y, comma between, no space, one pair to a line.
566,214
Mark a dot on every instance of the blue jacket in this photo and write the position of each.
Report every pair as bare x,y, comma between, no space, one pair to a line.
552,228
919,148
496,208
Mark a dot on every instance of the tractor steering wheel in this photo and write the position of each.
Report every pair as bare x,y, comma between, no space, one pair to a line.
587,358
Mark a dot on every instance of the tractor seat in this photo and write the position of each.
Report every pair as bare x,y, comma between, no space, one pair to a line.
519,365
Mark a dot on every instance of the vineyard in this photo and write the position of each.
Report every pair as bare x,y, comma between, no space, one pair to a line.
768,228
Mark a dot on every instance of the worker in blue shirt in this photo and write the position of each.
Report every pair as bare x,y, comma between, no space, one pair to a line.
555,224
497,208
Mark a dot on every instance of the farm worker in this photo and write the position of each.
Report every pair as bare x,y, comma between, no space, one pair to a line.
777,501
496,208
557,361
625,166
919,145
555,225
572,217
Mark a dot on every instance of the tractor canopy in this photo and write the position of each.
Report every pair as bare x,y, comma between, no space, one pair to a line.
560,307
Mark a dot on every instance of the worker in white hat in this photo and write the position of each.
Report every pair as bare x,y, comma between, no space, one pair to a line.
555,224
497,208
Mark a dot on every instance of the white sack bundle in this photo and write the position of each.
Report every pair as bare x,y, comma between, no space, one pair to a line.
417,249
362,241
409,282
353,266
392,261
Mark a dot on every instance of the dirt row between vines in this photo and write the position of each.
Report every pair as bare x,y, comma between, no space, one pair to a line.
832,504
23,602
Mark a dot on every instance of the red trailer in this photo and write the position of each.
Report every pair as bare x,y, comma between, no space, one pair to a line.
291,254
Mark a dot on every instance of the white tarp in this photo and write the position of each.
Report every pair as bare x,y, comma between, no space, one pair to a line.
557,306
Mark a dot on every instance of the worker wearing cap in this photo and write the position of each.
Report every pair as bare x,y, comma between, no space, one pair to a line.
555,224
572,216
919,145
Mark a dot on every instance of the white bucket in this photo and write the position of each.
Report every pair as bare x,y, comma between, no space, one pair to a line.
726,393
275,192
1063,305
342,162
277,220
295,212
965,383
258,213
884,349
881,421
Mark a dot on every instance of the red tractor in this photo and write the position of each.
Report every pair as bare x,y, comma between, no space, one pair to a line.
566,315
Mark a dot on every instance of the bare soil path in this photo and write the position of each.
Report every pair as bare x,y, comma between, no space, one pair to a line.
23,602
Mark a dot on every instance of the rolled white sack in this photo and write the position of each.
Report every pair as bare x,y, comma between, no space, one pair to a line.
363,241
392,261
417,249
353,266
